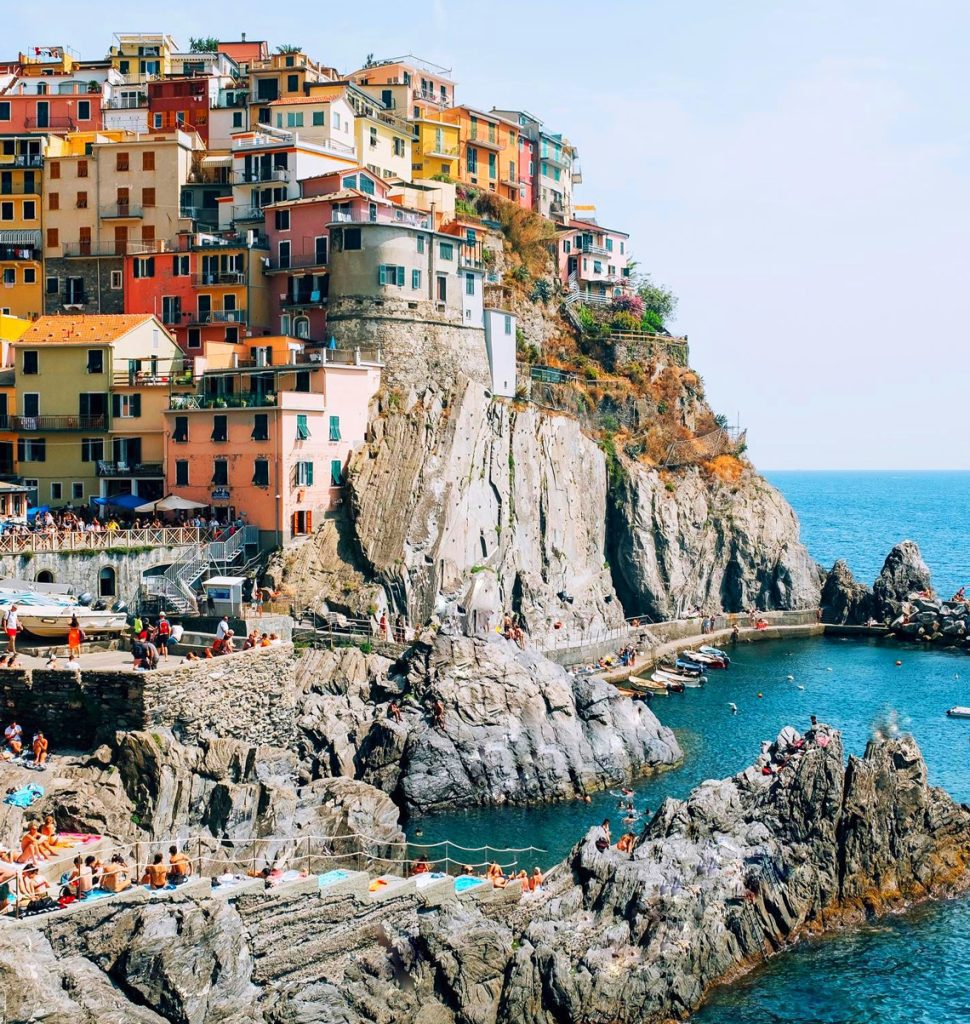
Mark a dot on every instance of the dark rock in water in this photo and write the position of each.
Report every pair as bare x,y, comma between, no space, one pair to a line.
845,601
903,573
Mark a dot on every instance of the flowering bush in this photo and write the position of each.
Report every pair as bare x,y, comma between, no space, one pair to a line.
632,304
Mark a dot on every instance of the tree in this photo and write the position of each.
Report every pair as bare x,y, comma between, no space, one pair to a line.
288,48
370,62
657,299
204,44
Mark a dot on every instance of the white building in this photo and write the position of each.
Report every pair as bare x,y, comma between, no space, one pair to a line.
500,343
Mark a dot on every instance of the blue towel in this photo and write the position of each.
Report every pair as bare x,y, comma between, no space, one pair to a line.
25,795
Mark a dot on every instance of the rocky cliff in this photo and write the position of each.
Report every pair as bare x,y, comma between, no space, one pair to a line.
799,843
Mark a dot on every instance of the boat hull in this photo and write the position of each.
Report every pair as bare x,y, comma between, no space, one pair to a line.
57,623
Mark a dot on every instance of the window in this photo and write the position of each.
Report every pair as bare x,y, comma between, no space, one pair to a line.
336,120
180,433
180,265
420,243
469,284
566,246
106,582
260,427
373,136
320,249
336,473
121,161
304,474
472,160
294,119
387,273
53,285
9,276
82,201
303,381
622,248
415,279
6,211
5,110
237,121
54,169
56,490
74,291
116,280
84,110
493,165
53,201
171,309
30,362
92,449
367,186
220,471
302,427
125,407
446,250
194,338
352,240
144,267
508,325
398,147
301,328
181,473
334,428
30,275
52,238
442,288
609,245
220,428
148,197
31,404
292,83
95,360
282,220
31,450
261,472
30,209
232,335
82,168
148,160
597,266
350,181
158,121
77,491
318,118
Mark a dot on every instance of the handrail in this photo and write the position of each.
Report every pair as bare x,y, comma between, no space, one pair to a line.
12,542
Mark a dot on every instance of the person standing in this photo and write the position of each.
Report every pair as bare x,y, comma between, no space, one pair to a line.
163,635
12,626
75,637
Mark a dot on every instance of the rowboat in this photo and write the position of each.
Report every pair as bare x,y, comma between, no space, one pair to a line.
681,667
670,677
656,685
715,652
702,658
958,712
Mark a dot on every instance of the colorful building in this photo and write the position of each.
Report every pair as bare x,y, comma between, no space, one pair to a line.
88,413
488,156
140,56
270,437
21,190
436,148
408,84
593,261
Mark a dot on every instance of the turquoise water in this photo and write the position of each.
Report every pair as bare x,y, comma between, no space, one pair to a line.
860,516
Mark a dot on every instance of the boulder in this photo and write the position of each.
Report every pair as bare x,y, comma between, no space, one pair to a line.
845,601
904,573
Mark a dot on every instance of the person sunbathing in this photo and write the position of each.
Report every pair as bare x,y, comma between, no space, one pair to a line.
496,876
156,874
34,845
535,882
116,875
191,656
40,749
179,866
420,867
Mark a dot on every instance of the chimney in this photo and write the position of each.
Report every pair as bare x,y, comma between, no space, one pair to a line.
243,34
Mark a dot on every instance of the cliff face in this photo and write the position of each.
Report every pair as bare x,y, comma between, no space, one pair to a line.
691,541
477,502
716,883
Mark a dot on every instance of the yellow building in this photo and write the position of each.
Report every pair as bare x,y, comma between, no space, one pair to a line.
21,189
435,149
142,55
89,395
11,329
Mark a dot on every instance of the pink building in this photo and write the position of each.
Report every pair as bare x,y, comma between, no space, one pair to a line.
593,261
298,231
527,158
271,436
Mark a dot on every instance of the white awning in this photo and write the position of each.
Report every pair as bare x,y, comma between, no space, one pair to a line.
224,160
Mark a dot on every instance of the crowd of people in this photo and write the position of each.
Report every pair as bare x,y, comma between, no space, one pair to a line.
13,747
494,874
59,523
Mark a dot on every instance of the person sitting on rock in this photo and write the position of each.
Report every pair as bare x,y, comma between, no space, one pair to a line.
81,879
625,843
496,876
438,712
179,866
116,875
535,880
13,737
40,749
394,711
156,874
34,844
420,867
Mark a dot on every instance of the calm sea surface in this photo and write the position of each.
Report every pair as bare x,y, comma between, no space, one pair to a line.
910,968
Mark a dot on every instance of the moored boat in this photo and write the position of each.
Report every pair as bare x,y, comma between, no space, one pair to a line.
670,677
702,658
715,652
647,684
958,712
49,615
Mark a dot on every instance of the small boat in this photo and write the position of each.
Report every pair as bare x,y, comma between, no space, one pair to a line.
702,658
49,615
958,712
682,668
648,685
670,677
716,653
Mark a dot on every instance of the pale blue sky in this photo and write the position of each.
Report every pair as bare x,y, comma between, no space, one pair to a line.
796,171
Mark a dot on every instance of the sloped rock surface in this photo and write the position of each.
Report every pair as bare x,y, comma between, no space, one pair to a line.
691,542
845,601
903,573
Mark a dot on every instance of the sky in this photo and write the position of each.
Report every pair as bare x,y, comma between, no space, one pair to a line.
796,172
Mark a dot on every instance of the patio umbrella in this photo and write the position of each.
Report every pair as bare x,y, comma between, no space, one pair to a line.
176,503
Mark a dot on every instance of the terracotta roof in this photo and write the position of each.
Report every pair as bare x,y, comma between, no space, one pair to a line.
89,329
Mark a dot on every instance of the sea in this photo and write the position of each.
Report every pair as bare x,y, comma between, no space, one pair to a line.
907,969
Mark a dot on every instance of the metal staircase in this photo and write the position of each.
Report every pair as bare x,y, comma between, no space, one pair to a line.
176,586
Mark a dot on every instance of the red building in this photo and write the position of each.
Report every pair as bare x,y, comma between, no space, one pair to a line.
181,103
53,112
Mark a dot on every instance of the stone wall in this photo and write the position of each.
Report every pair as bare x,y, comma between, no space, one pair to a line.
247,696
418,345
99,296
80,569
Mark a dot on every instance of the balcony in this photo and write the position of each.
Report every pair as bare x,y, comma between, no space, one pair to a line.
257,176
19,252
428,96
485,141
50,424
220,316
113,248
52,123
121,211
139,102
444,152
383,215
311,299
129,469
218,280
20,188
22,160
247,213
595,250
310,262
560,158
470,255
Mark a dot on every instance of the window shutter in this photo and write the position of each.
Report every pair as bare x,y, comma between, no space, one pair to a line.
294,523
40,450
382,274
115,406
21,450
336,473
309,473
309,522
135,405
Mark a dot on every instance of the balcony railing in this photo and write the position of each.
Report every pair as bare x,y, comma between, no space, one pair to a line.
314,298
446,152
257,176
139,102
44,424
246,213
595,250
58,122
427,96
20,188
129,469
71,540
22,160
19,252
383,215
121,211
221,279
487,141
114,248
220,316
297,263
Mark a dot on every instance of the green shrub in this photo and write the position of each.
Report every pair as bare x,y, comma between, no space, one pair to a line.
541,290
652,322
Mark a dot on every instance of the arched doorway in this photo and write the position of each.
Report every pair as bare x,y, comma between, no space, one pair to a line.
107,582
44,576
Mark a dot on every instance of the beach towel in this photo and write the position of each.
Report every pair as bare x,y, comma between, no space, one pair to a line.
25,795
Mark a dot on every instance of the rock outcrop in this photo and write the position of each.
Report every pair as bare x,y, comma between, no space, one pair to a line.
797,844
691,541
903,573
845,601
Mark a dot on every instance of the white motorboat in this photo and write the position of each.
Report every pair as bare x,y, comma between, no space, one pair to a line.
958,712
673,677
49,615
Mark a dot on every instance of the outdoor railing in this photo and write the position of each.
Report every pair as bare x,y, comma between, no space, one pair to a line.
12,542
42,424
129,469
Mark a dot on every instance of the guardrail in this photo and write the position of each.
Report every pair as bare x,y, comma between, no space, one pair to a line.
16,542
43,424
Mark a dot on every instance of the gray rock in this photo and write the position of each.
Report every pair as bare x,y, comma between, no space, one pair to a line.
845,601
903,573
